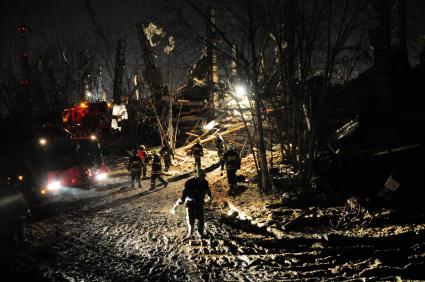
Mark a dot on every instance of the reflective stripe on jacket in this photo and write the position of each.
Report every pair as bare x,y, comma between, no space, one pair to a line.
232,160
135,164
156,166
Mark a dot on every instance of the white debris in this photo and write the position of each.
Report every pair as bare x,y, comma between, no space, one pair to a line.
119,113
151,30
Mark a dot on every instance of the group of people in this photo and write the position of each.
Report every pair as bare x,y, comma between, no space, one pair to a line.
229,159
138,162
195,189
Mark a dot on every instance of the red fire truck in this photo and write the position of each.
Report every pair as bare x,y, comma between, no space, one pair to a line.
49,160
87,118
58,163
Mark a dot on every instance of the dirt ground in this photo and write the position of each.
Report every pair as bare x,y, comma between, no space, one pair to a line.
113,233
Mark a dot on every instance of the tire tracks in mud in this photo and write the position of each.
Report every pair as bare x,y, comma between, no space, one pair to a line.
125,235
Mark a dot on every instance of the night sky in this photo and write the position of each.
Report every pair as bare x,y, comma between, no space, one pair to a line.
66,19
70,18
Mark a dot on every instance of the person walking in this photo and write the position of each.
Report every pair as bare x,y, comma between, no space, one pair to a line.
232,162
134,166
193,196
144,157
167,153
198,152
219,145
157,171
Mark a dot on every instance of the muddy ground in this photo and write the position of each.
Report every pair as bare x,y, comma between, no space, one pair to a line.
113,233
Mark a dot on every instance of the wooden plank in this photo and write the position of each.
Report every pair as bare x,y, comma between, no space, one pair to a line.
235,142
210,138
192,134
188,103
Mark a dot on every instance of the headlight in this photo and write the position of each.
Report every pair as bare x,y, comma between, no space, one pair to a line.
101,176
54,185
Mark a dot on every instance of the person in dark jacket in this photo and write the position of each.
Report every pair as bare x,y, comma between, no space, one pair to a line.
144,157
197,152
193,195
157,171
219,145
232,162
135,165
167,153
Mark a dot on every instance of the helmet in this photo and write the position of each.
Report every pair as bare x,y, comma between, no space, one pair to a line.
142,147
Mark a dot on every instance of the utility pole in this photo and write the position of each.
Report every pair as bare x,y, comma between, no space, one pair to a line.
119,111
212,78
119,71
25,101
402,32
289,33
100,95
381,42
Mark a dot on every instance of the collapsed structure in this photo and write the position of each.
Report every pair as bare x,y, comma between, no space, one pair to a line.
201,107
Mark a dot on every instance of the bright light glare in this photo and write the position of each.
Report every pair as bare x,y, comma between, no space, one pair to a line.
93,137
21,177
101,176
240,91
54,185
88,93
42,141
209,125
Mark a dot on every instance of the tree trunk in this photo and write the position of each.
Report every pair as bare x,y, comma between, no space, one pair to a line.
402,32
264,183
